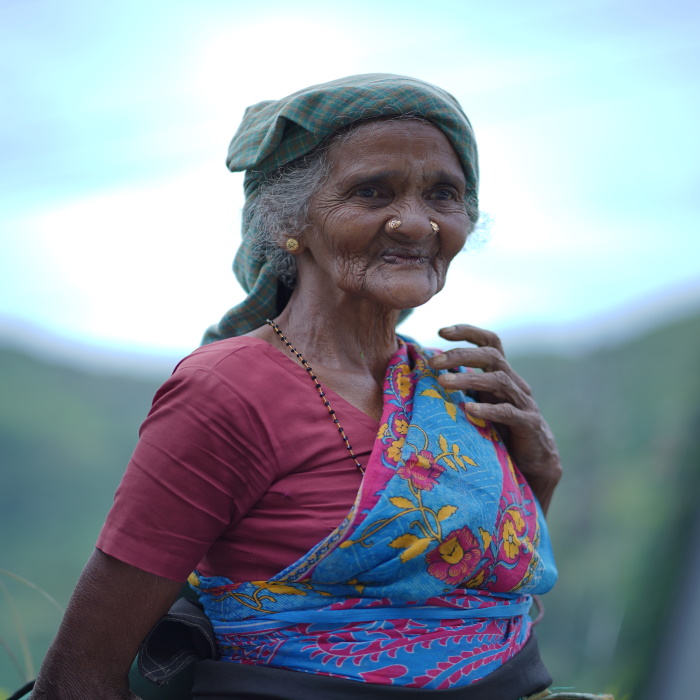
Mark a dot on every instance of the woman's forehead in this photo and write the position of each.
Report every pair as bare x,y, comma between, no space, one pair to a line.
378,141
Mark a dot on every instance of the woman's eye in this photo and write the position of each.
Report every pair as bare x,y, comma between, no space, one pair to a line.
367,192
443,194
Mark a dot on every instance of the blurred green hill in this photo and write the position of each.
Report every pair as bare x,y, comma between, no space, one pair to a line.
627,418
65,437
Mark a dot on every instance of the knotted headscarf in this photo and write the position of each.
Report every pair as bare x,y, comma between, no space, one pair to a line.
276,132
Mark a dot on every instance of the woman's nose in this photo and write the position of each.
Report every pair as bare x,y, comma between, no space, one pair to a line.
413,222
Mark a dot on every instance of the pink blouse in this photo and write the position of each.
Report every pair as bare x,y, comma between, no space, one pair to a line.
238,470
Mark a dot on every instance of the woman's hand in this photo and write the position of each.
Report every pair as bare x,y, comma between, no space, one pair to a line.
505,399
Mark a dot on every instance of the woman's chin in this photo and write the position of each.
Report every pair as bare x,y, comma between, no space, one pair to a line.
400,290
411,293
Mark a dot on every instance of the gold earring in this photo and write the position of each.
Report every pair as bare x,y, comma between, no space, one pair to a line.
292,244
394,224
434,226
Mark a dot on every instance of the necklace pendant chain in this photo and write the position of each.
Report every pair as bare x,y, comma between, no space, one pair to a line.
321,393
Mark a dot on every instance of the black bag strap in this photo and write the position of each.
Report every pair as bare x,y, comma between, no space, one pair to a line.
22,691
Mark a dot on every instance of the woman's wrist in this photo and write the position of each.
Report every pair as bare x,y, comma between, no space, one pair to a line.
544,483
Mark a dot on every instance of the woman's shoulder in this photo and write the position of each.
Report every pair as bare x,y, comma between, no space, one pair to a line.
243,365
226,383
242,351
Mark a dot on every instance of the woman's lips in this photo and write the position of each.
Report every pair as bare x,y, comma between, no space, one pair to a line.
405,257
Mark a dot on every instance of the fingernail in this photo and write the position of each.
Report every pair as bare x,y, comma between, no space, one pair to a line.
449,329
473,407
448,377
439,361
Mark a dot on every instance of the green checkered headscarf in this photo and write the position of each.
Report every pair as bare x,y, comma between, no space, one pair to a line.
276,132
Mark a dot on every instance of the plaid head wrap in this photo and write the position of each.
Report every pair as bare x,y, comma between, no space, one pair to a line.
276,132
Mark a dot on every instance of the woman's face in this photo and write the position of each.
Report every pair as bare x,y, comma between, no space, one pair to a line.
405,170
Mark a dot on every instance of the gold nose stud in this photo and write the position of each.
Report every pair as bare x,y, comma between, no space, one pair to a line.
434,226
394,224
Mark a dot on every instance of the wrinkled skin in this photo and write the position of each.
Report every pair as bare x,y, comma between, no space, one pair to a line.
395,170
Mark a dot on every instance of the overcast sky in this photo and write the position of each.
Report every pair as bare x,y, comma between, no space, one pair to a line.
119,220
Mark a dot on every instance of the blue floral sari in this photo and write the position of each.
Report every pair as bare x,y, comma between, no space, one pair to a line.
427,582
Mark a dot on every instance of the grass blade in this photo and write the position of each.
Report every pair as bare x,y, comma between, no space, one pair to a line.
12,658
21,634
34,587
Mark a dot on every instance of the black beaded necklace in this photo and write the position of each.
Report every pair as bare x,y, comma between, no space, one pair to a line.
321,393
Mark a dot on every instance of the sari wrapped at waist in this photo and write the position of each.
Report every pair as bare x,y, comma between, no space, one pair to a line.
362,610
427,581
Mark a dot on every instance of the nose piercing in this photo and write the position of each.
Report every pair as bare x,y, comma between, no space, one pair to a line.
434,226
394,224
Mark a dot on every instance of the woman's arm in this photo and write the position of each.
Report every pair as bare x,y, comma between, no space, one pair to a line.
113,608
506,399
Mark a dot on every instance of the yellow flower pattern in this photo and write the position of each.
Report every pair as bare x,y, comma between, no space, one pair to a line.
394,452
511,543
278,588
404,386
401,426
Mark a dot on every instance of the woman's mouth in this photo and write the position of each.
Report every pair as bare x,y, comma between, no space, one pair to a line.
405,257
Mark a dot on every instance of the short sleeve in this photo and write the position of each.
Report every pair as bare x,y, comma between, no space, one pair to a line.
199,465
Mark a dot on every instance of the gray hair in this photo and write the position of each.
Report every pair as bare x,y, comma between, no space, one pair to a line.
280,207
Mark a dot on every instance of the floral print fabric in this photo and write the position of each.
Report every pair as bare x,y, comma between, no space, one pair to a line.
427,581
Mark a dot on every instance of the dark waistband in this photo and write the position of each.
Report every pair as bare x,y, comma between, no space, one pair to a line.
522,675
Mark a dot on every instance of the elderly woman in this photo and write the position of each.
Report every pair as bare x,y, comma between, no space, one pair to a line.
360,517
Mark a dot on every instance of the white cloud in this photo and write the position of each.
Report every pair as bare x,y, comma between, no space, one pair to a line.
149,265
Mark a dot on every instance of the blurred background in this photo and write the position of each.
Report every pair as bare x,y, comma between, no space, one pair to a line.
119,221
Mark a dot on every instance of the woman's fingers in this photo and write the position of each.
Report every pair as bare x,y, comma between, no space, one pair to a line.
488,356
474,335
530,440
506,414
492,386
498,384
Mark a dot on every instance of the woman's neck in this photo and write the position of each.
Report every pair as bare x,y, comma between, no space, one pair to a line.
344,333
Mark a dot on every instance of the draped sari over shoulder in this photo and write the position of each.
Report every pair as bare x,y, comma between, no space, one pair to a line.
427,582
